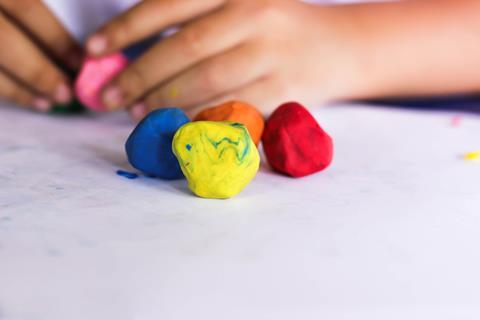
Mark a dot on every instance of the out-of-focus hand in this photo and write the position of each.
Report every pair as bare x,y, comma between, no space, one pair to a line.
261,51
36,53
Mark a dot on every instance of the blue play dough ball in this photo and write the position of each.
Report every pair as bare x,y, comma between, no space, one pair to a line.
149,147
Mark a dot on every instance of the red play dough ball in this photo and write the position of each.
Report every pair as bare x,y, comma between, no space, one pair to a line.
94,74
294,142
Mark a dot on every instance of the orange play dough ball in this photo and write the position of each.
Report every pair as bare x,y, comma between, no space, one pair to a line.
236,111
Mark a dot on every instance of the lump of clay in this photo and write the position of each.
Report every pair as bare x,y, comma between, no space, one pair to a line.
73,107
219,159
294,142
236,111
94,75
149,147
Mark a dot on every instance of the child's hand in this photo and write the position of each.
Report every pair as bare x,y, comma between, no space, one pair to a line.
31,40
262,51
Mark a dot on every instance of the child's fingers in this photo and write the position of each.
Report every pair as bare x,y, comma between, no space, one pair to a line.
13,91
29,65
138,111
39,22
196,42
255,93
144,20
216,76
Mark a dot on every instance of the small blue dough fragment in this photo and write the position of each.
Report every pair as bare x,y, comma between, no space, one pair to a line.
126,174
149,146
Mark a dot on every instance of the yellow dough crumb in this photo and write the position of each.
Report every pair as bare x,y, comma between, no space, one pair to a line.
472,156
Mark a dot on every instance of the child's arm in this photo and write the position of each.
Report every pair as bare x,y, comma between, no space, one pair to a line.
270,51
417,47
32,43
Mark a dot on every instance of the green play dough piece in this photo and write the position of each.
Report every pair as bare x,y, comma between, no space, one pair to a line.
74,107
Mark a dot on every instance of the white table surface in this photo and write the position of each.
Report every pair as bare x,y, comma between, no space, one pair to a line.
390,231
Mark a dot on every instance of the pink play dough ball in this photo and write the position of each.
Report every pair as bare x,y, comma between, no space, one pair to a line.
95,73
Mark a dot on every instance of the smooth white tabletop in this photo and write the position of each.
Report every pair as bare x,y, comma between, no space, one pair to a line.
390,231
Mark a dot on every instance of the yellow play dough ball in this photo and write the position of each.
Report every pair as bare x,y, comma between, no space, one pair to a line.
219,159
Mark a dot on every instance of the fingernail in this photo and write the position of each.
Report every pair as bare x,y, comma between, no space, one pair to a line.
112,97
63,94
41,104
97,44
138,111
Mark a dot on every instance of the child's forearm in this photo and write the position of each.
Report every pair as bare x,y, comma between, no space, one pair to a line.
415,47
